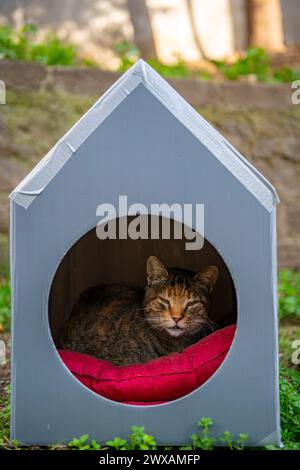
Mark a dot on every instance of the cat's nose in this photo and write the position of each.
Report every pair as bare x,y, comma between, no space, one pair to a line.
177,316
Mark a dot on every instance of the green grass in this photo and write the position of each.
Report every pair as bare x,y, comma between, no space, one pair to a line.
289,314
289,294
289,333
290,408
23,45
255,63
4,419
5,300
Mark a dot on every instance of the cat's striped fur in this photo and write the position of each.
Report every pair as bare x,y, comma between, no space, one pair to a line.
124,325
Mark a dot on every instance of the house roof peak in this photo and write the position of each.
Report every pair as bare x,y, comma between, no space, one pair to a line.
142,74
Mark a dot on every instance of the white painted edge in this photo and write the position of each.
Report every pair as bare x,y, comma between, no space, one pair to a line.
141,73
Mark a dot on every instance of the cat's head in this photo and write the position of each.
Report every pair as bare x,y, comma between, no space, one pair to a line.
177,301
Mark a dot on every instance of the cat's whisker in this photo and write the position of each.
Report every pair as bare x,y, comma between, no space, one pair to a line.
212,325
155,324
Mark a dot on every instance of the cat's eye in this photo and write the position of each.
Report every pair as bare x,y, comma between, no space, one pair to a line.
190,304
164,301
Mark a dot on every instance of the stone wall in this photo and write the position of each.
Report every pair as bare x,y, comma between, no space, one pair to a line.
259,120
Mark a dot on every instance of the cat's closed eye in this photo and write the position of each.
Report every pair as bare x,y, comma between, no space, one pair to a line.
164,301
191,304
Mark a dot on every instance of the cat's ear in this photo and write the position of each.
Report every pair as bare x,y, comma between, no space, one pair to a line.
156,270
208,277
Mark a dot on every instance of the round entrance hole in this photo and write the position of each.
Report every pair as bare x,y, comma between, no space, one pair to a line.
93,262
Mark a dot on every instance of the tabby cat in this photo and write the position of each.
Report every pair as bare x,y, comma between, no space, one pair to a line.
126,326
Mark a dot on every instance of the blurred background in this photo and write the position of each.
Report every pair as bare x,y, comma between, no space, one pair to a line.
191,30
236,61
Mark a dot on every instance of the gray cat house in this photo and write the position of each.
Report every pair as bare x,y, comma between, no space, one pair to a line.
142,140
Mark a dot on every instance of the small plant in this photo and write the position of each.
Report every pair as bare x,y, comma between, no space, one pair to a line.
82,444
228,440
203,440
118,444
289,294
4,304
137,440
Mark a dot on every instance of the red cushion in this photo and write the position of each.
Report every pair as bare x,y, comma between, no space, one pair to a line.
156,381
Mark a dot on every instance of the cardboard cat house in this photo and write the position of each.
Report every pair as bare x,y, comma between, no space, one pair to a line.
142,140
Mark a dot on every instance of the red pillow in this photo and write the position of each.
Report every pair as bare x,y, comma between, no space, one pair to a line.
156,381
